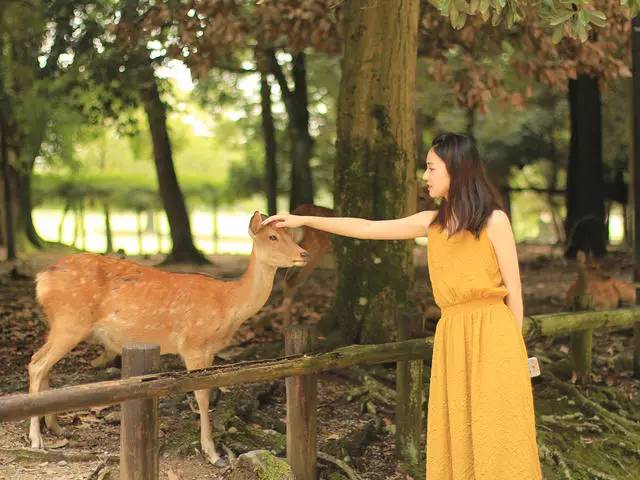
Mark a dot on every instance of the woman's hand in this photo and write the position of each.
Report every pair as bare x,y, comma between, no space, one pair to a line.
285,220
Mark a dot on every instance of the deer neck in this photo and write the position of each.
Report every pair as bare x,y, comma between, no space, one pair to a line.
252,290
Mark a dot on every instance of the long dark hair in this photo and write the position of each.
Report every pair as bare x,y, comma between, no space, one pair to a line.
471,197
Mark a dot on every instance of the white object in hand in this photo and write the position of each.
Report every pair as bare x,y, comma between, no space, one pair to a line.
534,367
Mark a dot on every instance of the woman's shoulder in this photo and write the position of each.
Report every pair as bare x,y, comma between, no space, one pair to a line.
498,224
496,218
428,216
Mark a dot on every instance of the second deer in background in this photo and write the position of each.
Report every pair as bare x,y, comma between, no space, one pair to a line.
594,290
317,243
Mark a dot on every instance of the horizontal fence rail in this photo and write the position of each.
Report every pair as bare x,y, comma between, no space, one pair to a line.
20,406
567,322
17,407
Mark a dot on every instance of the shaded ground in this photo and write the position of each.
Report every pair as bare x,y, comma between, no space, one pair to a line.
583,433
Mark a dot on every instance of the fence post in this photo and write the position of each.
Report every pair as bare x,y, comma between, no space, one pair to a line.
302,401
409,394
580,347
139,446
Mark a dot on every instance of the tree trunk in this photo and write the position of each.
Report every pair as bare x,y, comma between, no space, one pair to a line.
585,221
9,231
270,147
67,207
375,166
107,226
301,141
26,208
297,106
183,249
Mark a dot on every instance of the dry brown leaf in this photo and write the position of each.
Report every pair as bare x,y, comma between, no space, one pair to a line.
172,476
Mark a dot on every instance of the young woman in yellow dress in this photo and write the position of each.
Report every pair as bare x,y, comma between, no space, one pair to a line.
480,417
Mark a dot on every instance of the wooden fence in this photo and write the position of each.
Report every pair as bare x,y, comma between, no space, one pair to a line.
138,391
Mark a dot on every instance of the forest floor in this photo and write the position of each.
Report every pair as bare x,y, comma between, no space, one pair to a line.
583,432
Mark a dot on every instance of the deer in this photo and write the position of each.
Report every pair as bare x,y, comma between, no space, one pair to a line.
110,301
317,243
594,289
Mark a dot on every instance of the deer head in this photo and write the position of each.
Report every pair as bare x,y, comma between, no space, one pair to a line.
275,246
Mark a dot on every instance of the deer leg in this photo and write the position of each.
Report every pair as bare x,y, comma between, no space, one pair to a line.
104,358
194,361
50,420
57,346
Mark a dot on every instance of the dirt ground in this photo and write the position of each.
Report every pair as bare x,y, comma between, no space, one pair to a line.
91,444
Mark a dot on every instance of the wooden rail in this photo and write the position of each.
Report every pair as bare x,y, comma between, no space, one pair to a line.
19,406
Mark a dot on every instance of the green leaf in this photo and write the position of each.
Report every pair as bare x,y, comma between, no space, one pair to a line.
560,19
581,31
453,16
462,19
597,20
557,35
496,18
461,5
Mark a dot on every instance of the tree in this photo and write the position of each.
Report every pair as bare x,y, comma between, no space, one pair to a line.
374,175
582,67
137,60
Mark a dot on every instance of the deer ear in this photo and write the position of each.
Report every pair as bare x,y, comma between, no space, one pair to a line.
256,223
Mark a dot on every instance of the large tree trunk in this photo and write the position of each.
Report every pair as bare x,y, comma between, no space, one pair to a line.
375,166
301,143
585,221
183,249
270,147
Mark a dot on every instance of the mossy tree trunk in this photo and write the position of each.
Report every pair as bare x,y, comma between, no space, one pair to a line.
375,165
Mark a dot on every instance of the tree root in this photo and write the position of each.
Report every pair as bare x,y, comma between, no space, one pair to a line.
53,456
351,473
614,421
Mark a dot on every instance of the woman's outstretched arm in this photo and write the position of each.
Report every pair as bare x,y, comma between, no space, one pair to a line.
405,228
504,244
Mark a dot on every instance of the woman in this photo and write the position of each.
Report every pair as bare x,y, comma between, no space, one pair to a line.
480,418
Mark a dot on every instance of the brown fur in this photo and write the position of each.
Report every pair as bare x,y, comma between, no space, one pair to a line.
594,289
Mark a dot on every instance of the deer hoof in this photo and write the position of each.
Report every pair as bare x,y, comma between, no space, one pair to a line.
54,427
213,457
35,435
36,442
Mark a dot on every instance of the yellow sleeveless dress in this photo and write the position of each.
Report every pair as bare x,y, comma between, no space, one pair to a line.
480,418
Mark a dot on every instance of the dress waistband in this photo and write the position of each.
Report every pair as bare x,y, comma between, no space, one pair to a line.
473,304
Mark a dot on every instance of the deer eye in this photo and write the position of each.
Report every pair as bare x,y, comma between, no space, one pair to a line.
273,238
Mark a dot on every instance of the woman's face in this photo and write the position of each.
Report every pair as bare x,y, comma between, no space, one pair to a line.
436,176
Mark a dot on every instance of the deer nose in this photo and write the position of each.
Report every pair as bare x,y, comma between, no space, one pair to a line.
304,254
